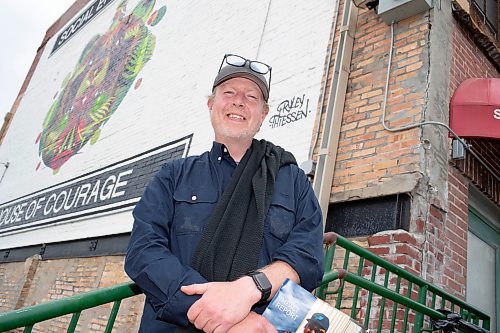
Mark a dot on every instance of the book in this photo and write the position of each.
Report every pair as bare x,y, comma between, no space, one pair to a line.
294,309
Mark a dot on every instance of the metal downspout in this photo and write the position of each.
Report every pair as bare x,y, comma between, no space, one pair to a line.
327,152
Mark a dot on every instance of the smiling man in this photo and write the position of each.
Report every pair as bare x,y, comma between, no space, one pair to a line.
216,235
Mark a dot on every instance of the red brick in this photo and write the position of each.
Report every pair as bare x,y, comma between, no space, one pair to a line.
404,238
379,239
380,251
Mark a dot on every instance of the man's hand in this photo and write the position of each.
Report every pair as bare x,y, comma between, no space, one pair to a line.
254,323
222,305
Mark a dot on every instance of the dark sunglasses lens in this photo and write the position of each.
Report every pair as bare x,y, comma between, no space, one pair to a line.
259,67
235,60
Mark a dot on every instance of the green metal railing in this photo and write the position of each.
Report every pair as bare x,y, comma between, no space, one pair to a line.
366,286
29,316
370,280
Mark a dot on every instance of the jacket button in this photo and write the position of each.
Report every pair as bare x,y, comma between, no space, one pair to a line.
194,197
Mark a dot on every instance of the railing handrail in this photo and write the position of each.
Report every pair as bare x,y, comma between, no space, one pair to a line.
33,314
361,251
27,317
381,290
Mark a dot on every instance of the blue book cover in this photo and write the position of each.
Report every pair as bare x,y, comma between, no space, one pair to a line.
294,309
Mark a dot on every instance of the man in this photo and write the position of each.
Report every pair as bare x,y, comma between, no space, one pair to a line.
216,235
318,323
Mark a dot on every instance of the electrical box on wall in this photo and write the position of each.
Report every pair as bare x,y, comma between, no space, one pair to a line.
397,10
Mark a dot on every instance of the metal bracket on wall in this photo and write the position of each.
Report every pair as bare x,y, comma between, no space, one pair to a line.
42,249
458,150
93,244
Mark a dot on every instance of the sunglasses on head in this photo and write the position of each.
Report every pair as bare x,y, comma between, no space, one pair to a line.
256,66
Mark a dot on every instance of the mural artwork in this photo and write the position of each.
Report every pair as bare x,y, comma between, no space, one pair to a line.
103,75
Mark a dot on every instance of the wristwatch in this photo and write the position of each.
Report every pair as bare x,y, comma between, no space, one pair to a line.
262,282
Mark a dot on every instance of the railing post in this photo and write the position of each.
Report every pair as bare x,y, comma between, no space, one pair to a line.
112,316
419,317
74,321
329,239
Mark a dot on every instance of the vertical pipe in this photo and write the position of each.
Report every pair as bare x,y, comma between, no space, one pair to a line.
327,153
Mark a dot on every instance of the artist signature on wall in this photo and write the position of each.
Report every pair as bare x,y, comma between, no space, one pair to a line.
290,110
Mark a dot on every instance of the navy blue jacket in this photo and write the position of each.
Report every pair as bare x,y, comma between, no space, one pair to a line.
169,220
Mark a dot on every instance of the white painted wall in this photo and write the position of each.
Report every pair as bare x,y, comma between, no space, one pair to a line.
291,36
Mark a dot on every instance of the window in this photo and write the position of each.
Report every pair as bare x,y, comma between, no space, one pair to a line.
483,265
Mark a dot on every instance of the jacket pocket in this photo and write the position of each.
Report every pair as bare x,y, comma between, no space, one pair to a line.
281,216
193,207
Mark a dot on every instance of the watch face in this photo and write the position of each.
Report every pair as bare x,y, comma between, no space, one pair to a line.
262,281
263,284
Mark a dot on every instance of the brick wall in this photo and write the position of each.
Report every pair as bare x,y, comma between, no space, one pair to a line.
368,155
468,60
455,258
36,281
11,284
373,162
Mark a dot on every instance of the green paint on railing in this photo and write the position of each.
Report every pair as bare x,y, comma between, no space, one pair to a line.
29,316
37,313
370,296
382,304
419,318
395,305
341,289
384,292
112,316
356,288
407,309
370,256
328,262
74,321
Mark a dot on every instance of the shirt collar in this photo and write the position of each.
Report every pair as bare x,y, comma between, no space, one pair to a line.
219,152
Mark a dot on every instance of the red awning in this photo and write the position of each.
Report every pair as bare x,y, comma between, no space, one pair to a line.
475,108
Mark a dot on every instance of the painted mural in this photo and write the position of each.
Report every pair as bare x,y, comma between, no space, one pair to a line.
120,88
102,77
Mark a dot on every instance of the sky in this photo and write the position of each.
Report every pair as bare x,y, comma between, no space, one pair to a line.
23,24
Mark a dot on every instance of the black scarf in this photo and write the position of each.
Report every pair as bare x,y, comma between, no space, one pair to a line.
231,242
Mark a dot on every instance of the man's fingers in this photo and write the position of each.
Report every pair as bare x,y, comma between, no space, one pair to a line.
211,327
195,289
222,328
194,311
201,322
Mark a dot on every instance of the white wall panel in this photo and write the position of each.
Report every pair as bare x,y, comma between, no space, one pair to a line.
166,100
